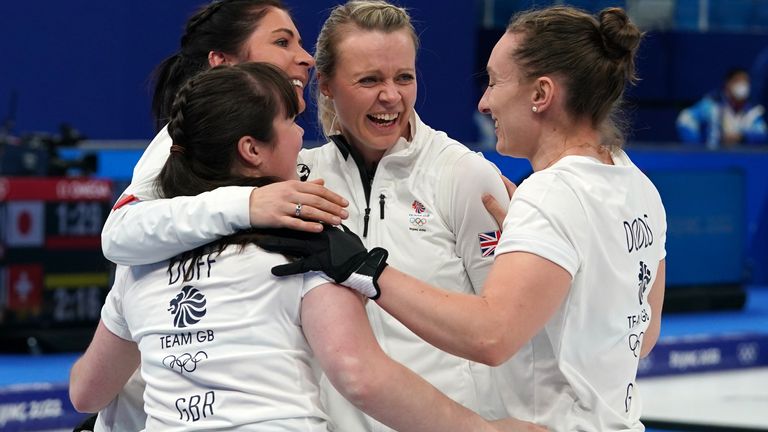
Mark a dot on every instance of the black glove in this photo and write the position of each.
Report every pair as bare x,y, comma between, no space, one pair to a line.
338,253
88,424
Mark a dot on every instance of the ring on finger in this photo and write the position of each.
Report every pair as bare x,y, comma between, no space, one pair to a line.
298,210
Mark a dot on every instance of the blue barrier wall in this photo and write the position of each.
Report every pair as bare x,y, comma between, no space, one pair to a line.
705,178
87,63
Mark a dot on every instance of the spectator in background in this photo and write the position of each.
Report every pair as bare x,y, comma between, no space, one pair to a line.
725,117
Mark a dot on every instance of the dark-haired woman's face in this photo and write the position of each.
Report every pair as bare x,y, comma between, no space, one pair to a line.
280,158
276,40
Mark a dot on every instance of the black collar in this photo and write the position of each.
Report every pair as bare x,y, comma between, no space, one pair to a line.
366,175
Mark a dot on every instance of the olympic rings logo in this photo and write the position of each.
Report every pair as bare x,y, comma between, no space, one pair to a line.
635,343
418,221
185,362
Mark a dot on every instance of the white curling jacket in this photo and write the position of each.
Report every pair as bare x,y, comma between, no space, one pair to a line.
425,208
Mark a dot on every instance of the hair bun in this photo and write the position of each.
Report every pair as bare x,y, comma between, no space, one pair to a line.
620,36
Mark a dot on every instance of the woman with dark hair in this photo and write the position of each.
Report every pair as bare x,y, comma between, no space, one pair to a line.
143,229
575,294
221,342
224,32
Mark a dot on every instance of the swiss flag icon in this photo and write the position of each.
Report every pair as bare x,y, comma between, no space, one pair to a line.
25,287
25,224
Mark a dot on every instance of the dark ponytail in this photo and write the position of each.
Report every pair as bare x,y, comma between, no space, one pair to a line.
209,115
223,25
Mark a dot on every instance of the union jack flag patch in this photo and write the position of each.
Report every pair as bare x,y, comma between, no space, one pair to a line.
488,242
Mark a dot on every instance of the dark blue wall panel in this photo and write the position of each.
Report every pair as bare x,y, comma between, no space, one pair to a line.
87,63
706,180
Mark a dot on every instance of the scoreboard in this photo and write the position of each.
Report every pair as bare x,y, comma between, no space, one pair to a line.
53,276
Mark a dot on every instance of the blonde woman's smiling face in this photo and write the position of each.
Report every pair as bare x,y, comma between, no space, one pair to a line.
373,89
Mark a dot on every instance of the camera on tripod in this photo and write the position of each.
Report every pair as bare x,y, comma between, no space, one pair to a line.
38,154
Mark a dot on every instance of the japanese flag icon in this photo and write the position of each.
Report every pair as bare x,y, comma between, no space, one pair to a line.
25,224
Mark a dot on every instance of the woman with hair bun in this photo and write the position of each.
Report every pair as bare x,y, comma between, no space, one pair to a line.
574,298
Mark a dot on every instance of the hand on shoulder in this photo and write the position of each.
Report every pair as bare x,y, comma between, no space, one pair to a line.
296,205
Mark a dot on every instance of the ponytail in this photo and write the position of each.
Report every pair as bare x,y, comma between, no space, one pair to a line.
223,25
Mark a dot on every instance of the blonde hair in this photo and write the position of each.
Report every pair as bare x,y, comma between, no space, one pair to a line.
367,15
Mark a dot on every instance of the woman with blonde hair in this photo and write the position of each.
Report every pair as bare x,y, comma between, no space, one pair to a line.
406,185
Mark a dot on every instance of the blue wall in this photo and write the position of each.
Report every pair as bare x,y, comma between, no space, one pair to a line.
702,184
87,63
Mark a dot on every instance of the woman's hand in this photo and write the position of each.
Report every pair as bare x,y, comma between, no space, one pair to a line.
296,205
494,208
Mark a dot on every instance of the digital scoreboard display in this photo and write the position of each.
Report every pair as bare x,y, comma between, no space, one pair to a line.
53,276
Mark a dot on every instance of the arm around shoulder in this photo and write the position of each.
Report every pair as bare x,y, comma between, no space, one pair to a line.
150,231
468,218
336,326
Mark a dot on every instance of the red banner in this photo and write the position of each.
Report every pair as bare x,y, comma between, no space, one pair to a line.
54,189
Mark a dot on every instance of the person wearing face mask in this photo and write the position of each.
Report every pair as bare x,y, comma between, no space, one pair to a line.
724,118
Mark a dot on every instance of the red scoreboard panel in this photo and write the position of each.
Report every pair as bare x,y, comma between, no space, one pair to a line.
53,276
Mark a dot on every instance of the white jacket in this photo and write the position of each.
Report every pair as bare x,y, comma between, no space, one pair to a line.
157,230
425,208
